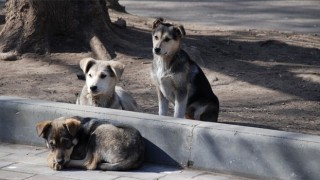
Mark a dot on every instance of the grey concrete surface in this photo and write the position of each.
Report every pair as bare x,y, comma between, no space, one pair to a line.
24,168
282,15
217,147
274,154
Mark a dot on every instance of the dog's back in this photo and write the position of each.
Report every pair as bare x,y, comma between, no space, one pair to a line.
200,95
202,104
122,146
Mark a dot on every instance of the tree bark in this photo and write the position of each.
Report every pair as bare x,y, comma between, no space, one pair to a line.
36,26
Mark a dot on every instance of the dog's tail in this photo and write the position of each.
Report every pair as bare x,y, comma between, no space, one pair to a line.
127,164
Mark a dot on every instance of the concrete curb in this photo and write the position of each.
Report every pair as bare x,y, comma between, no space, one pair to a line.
218,147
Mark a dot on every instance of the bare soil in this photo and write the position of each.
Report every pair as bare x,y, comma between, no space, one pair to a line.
265,79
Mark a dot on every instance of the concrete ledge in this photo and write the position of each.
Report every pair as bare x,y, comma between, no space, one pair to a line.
218,147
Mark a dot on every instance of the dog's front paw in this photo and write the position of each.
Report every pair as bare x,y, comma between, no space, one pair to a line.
52,163
56,166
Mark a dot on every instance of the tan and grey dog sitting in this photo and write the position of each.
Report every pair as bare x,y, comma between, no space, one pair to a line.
178,79
91,144
100,89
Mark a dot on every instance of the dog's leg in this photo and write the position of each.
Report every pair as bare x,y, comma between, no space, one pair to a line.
180,103
210,113
89,162
199,111
52,163
163,104
76,163
180,107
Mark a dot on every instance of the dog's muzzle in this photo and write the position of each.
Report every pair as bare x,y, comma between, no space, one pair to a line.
94,89
60,161
157,51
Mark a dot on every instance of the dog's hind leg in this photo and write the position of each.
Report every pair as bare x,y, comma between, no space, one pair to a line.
89,162
79,163
110,166
92,162
131,163
76,163
210,114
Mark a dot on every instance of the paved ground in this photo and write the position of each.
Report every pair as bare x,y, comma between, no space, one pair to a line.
29,162
284,15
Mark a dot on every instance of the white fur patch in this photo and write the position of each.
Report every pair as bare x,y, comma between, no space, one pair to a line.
104,85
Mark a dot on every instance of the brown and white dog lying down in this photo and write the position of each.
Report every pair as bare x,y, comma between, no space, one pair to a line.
90,143
100,89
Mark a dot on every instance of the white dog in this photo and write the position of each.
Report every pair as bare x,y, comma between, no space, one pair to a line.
100,89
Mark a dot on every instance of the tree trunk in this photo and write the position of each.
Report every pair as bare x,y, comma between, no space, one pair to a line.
38,26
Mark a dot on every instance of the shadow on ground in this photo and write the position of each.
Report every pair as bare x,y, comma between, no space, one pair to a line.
270,63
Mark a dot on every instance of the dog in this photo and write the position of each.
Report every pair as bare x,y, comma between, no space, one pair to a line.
91,144
177,78
100,89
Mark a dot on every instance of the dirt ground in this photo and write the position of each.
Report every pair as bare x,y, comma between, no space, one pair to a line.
264,79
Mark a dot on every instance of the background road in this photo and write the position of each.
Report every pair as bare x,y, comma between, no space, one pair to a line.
284,15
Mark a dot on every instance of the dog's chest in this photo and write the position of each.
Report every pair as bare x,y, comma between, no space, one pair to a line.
102,101
165,81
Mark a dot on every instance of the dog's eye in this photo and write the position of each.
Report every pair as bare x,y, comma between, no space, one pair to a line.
156,37
66,143
90,75
51,145
166,39
102,76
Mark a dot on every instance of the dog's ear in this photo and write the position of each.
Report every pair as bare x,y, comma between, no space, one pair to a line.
73,126
179,29
157,22
42,127
117,68
86,64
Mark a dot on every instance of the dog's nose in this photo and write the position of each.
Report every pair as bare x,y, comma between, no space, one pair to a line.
157,50
60,161
93,88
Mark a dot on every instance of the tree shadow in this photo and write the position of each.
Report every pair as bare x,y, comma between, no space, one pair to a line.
63,43
268,63
2,19
141,42
272,64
